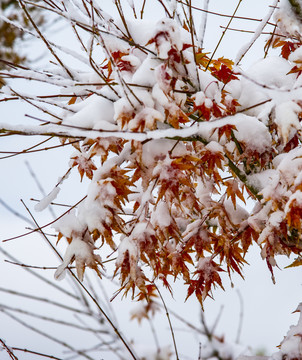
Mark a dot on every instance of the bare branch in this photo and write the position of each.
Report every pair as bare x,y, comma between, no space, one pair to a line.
8,350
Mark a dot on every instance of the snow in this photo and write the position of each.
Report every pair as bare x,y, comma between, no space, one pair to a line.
83,254
199,98
217,348
261,82
250,131
290,347
287,21
295,197
161,216
157,149
291,165
296,56
126,244
276,218
95,112
47,200
263,71
203,23
208,84
149,116
269,188
257,33
170,31
145,74
214,147
204,192
69,224
113,41
238,215
142,31
259,217
262,179
159,95
287,120
95,210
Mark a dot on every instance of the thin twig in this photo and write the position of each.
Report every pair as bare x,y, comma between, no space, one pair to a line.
15,212
42,37
257,33
207,331
199,352
81,285
8,350
224,15
36,353
48,224
48,301
34,266
118,5
40,277
39,185
216,321
30,102
155,337
47,335
142,9
51,319
186,322
253,31
165,8
28,151
240,317
223,33
53,203
169,321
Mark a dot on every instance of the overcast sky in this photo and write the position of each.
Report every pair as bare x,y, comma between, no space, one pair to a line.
266,307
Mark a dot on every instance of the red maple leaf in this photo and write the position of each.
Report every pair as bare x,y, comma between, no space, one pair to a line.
224,73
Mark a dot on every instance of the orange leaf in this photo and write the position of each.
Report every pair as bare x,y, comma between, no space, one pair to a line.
72,100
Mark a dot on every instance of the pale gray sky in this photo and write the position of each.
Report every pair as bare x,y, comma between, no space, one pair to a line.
267,307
